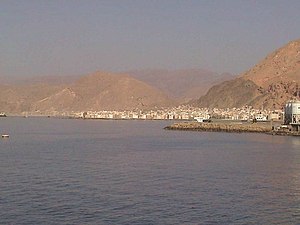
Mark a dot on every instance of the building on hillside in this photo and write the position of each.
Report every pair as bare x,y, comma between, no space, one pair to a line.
292,114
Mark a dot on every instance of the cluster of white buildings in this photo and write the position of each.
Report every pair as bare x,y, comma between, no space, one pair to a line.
184,113
175,113
290,116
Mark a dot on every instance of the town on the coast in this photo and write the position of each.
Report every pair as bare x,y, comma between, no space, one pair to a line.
182,113
287,119
185,117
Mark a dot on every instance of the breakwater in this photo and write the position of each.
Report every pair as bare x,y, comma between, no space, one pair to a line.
265,128
221,127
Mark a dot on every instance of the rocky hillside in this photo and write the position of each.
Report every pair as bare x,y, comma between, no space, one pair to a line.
282,65
269,84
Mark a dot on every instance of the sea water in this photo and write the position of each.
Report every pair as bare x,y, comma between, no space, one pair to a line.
67,171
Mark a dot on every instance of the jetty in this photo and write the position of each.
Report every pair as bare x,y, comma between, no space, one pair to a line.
221,127
233,127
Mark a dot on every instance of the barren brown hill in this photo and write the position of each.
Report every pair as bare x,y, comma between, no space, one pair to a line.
273,81
282,65
104,91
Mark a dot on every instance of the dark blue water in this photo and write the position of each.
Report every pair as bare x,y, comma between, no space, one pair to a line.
56,171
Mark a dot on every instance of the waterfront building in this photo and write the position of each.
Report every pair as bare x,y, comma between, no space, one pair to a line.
292,114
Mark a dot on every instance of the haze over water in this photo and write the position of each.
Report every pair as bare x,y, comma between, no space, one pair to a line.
56,171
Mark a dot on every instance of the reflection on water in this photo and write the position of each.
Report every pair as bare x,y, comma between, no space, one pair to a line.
134,172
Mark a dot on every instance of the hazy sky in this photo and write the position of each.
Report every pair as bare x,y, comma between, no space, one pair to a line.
57,37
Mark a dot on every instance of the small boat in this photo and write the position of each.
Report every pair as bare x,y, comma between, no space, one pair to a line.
5,136
2,114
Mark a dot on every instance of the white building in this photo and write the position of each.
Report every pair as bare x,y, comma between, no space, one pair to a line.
292,114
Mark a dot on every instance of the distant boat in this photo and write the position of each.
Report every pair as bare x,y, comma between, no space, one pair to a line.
2,115
5,136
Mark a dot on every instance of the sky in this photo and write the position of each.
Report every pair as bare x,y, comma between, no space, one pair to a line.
72,37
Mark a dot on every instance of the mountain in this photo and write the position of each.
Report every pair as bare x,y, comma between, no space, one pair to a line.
269,84
181,84
103,91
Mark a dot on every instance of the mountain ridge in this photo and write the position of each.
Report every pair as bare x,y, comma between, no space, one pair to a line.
96,91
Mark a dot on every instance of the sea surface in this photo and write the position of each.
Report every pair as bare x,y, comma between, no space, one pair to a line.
67,171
